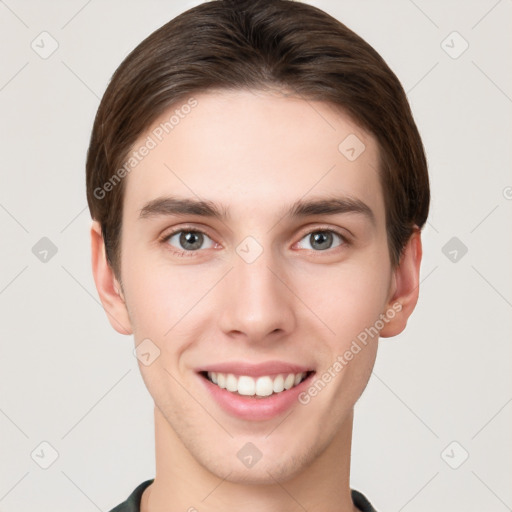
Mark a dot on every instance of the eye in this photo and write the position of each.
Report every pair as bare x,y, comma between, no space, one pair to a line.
322,239
188,240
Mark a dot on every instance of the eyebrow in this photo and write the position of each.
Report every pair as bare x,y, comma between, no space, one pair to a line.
176,206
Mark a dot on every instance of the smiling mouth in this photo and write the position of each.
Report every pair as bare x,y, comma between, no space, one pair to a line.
257,387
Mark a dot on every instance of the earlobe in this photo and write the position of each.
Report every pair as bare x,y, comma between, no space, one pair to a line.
405,287
107,285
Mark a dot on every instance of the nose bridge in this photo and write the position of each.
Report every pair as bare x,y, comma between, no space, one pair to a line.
256,302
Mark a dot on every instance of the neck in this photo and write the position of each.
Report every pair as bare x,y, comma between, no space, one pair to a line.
181,483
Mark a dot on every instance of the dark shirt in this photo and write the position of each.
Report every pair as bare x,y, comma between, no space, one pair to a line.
132,504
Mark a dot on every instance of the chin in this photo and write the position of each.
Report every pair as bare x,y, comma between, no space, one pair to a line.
259,474
280,465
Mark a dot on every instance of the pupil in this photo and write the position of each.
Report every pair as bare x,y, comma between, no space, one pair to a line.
321,238
187,239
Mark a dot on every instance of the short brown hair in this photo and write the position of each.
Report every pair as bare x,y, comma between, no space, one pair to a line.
254,44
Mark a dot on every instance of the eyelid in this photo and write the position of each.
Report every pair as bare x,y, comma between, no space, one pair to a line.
177,229
326,227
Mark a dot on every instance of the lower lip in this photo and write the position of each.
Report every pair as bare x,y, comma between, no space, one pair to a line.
252,408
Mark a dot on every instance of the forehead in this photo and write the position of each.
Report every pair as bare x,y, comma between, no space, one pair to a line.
253,151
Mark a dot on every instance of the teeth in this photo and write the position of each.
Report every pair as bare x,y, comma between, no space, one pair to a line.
231,382
246,386
278,384
262,386
288,382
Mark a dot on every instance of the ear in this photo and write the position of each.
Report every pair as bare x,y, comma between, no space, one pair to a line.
404,288
108,287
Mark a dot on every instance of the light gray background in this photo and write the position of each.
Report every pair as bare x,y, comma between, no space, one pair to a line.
67,378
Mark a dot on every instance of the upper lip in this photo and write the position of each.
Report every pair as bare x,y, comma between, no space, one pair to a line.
255,370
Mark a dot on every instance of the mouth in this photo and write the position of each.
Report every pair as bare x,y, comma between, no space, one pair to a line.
256,387
255,392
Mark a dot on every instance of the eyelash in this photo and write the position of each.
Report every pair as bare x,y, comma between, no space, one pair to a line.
180,253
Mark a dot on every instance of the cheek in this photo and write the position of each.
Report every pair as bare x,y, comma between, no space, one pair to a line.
164,301
349,304
347,299
157,303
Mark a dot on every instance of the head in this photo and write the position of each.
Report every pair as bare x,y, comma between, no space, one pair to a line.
228,123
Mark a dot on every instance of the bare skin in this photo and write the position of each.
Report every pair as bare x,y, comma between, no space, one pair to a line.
257,153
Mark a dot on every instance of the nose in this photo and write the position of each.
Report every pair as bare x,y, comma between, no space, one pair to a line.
257,303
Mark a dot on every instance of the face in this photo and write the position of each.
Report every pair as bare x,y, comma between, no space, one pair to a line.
260,291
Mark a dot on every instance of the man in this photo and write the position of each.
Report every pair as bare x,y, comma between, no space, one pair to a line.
258,188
